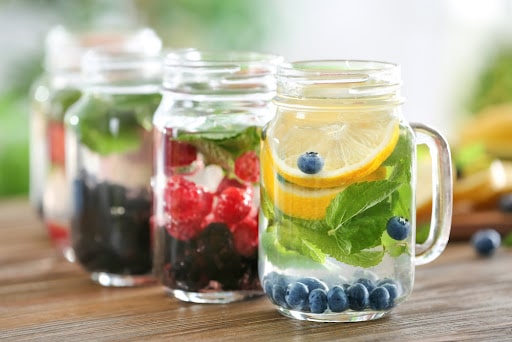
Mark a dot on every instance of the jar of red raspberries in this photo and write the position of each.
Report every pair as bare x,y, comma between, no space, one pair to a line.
206,194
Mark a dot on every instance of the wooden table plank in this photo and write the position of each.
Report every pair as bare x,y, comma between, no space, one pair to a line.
45,298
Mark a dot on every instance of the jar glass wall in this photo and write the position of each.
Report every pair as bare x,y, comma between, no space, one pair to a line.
206,191
109,164
60,87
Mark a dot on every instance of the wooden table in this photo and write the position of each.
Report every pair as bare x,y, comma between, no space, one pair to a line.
42,297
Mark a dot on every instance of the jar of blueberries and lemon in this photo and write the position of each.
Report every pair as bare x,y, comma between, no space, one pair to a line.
337,236
207,170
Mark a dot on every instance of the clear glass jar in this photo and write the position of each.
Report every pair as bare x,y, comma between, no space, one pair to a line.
109,151
206,191
337,220
56,90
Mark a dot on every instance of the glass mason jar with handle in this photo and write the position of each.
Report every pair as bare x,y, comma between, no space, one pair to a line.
57,89
337,219
109,150
205,185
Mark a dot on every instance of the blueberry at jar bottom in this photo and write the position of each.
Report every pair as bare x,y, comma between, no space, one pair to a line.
110,232
207,269
309,298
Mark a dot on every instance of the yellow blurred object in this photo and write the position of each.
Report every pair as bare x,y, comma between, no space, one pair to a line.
477,191
491,127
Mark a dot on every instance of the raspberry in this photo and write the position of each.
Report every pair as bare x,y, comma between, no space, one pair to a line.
56,143
178,153
245,237
247,167
229,182
187,204
233,205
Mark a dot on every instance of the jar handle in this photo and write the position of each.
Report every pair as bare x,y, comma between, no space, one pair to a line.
442,193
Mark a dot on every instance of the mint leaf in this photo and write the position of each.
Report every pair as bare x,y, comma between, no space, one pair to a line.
365,231
303,240
393,247
363,258
281,256
355,199
113,124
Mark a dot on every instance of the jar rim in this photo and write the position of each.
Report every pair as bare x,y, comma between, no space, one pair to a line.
340,71
192,57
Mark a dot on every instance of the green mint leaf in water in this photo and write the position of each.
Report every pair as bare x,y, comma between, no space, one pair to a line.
356,199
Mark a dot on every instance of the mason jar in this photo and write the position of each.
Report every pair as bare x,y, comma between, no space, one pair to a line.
109,151
337,223
52,94
206,192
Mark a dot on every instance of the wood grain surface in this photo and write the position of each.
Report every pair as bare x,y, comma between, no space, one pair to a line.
458,297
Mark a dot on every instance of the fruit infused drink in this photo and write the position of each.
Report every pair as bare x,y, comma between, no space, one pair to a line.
206,185
337,191
110,145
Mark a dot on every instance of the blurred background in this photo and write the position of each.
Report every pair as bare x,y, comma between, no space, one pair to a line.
454,54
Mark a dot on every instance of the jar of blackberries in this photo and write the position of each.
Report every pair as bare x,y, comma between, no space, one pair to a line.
109,163
206,192
58,88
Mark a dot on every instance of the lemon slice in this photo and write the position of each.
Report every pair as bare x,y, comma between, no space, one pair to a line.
297,201
351,149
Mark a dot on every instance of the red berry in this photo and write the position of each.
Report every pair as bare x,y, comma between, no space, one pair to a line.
186,204
229,182
245,237
179,153
57,232
233,205
56,142
247,167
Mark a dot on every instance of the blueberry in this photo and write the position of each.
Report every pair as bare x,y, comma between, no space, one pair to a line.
317,300
310,163
379,298
392,290
278,295
505,203
366,282
398,228
391,286
337,299
313,283
357,295
297,296
486,241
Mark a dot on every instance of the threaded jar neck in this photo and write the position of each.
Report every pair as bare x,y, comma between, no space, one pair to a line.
193,73
122,69
339,81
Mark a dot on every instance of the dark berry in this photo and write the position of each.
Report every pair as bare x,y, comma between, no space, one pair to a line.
313,283
278,295
357,295
379,298
486,241
179,153
245,237
337,299
317,300
310,163
366,282
233,205
505,203
398,228
247,167
391,286
297,296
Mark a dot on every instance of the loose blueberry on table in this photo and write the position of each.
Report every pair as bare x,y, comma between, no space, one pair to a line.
486,242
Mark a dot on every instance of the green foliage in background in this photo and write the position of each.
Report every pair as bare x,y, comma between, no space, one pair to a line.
495,83
210,24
